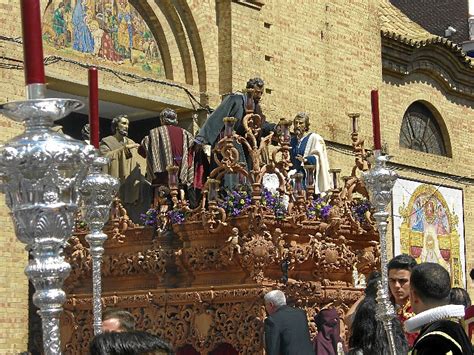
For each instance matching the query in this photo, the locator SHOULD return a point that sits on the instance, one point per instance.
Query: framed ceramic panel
(428, 224)
(102, 32)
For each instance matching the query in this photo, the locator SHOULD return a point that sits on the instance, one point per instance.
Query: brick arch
(445, 65)
(146, 12)
(175, 23)
(195, 39)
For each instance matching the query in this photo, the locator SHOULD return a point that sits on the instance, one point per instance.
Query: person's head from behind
(399, 270)
(117, 320)
(128, 343)
(458, 295)
(274, 300)
(372, 284)
(168, 116)
(430, 285)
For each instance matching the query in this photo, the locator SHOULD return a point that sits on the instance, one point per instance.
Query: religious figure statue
(309, 148)
(168, 145)
(431, 252)
(234, 105)
(233, 243)
(127, 166)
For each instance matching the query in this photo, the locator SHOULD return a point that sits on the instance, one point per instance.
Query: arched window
(420, 131)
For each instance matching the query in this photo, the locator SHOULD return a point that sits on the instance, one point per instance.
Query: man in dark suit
(286, 328)
(437, 320)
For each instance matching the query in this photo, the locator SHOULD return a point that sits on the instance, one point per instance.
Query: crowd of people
(430, 320)
(430, 317)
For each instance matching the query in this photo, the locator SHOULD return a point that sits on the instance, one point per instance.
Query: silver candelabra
(41, 172)
(379, 182)
(98, 190)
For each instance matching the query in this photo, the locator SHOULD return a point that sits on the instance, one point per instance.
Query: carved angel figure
(233, 243)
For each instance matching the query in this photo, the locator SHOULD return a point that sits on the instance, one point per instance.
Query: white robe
(317, 148)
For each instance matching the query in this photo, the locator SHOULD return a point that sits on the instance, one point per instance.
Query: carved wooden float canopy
(197, 276)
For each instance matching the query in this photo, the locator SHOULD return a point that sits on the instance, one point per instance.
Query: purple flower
(359, 210)
(318, 208)
(235, 202)
(274, 203)
(325, 211)
(150, 217)
(176, 216)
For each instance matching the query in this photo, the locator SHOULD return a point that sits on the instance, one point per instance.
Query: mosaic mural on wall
(428, 224)
(102, 32)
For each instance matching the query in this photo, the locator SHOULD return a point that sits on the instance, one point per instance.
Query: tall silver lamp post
(379, 182)
(98, 190)
(41, 172)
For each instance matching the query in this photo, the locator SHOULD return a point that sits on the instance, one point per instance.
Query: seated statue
(308, 148)
(127, 166)
(168, 145)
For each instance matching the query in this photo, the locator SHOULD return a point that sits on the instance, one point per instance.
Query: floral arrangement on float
(291, 200)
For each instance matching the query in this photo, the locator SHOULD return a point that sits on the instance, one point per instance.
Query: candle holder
(379, 182)
(335, 177)
(355, 121)
(213, 188)
(310, 169)
(285, 131)
(41, 172)
(97, 190)
(173, 183)
(229, 126)
(299, 187)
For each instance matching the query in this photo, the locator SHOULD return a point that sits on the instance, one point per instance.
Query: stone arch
(175, 23)
(145, 10)
(195, 39)
(424, 129)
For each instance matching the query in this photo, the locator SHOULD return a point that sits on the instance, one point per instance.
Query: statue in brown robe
(127, 166)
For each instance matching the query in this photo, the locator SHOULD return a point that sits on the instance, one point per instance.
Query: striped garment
(169, 145)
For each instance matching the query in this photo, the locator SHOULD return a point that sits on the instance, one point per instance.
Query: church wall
(319, 57)
(457, 114)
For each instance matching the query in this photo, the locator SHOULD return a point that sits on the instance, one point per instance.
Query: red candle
(32, 41)
(94, 107)
(374, 96)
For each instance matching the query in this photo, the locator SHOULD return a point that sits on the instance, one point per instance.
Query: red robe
(404, 313)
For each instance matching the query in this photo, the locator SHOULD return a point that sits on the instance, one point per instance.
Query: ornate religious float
(196, 276)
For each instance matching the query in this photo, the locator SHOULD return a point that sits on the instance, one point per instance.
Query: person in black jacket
(128, 343)
(440, 333)
(286, 328)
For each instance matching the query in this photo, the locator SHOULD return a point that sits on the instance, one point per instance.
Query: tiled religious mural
(428, 224)
(102, 31)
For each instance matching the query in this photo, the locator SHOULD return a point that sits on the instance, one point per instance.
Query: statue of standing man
(308, 148)
(127, 166)
(168, 145)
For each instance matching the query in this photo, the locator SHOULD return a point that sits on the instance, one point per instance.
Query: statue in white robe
(308, 148)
